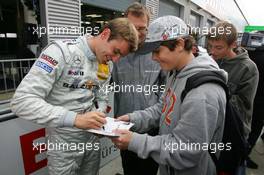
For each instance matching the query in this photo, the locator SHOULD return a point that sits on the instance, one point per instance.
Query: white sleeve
(29, 99)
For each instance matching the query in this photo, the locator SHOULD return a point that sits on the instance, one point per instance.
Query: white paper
(111, 125)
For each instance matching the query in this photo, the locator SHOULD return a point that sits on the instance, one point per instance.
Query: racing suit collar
(86, 48)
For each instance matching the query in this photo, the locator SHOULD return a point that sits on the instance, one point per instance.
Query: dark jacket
(138, 77)
(136, 71)
(243, 77)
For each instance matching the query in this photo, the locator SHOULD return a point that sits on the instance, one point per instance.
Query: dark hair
(223, 31)
(138, 10)
(171, 44)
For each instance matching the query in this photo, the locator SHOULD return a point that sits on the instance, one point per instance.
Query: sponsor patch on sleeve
(44, 66)
(49, 59)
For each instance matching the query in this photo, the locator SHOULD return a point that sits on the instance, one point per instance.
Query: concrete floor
(257, 155)
(112, 168)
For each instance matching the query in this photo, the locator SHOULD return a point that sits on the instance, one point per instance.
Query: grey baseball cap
(163, 29)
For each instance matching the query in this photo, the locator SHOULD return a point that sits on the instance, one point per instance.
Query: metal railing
(5, 111)
(12, 71)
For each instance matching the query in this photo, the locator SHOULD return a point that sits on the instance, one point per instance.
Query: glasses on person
(117, 53)
(142, 29)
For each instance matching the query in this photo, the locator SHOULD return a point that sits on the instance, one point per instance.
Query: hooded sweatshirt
(243, 77)
(196, 122)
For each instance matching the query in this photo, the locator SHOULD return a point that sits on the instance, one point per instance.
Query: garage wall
(67, 13)
(167, 7)
(119, 5)
(60, 18)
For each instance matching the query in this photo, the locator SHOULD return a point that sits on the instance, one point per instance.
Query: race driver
(62, 89)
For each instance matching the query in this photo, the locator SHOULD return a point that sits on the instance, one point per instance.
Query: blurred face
(195, 50)
(166, 58)
(141, 24)
(176, 59)
(111, 50)
(219, 49)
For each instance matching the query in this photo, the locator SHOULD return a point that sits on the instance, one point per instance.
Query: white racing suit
(65, 81)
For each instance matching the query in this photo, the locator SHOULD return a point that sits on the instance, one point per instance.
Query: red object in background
(108, 109)
(28, 153)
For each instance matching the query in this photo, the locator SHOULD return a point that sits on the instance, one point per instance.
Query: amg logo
(75, 72)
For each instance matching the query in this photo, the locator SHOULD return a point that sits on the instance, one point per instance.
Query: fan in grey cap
(184, 126)
(163, 29)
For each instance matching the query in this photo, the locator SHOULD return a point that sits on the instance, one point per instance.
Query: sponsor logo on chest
(75, 72)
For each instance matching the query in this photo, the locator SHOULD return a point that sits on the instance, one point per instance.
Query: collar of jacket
(86, 48)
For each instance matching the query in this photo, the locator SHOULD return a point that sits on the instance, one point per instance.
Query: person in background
(137, 70)
(243, 75)
(257, 118)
